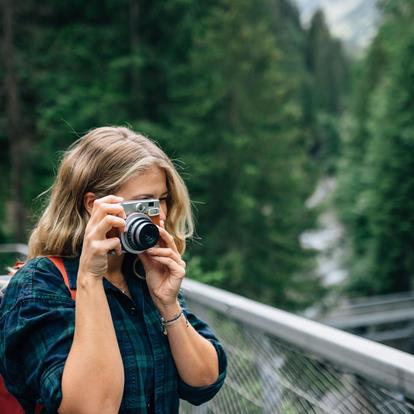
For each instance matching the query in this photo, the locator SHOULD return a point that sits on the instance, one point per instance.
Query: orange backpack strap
(58, 262)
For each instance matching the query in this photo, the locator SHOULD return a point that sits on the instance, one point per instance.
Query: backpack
(8, 403)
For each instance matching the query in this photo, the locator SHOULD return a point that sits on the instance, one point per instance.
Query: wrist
(166, 324)
(86, 281)
(169, 311)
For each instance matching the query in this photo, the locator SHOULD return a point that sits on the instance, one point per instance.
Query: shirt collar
(130, 263)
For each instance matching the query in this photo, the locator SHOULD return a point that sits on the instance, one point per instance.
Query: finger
(172, 265)
(144, 259)
(110, 199)
(167, 238)
(166, 252)
(114, 209)
(107, 223)
(105, 209)
(102, 247)
(117, 246)
(101, 207)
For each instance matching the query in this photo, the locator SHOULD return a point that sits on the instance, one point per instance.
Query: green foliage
(325, 92)
(227, 87)
(239, 123)
(327, 62)
(376, 186)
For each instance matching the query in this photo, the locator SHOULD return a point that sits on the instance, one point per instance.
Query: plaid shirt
(37, 322)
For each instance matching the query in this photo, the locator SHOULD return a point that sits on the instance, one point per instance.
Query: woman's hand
(106, 214)
(164, 270)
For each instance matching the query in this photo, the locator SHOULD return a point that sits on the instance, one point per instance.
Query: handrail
(14, 248)
(369, 319)
(381, 364)
(379, 299)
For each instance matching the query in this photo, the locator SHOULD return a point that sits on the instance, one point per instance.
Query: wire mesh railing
(283, 364)
(279, 363)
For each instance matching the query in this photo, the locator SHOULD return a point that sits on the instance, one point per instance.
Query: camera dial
(140, 207)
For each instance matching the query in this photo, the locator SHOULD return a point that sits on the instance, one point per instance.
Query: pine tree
(328, 82)
(221, 85)
(376, 174)
(239, 117)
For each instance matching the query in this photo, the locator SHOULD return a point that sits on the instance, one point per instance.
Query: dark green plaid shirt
(37, 318)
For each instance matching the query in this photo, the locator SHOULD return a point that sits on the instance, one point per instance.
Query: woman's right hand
(106, 215)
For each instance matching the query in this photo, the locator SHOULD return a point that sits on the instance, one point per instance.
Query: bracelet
(165, 323)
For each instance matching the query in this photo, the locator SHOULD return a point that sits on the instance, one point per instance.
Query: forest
(253, 107)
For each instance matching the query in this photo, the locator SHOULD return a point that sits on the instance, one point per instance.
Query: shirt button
(133, 311)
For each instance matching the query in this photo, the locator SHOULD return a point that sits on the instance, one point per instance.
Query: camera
(142, 219)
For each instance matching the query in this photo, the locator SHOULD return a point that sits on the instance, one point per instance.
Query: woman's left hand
(164, 269)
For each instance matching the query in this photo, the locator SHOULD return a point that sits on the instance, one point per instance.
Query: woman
(106, 352)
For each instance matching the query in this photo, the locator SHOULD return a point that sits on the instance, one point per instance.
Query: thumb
(145, 259)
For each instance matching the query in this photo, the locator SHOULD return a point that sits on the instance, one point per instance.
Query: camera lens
(141, 233)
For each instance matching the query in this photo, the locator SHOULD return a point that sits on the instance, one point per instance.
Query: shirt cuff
(51, 388)
(200, 395)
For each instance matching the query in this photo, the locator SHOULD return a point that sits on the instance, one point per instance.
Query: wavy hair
(100, 162)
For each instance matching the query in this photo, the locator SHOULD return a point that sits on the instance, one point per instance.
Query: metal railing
(374, 310)
(19, 248)
(388, 319)
(282, 363)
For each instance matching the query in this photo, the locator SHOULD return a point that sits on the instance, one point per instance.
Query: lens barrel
(140, 234)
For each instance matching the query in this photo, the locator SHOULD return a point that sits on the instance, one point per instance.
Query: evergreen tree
(238, 114)
(328, 82)
(222, 85)
(376, 174)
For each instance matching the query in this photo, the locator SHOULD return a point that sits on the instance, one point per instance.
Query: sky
(353, 21)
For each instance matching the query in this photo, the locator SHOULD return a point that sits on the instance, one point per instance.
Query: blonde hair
(101, 162)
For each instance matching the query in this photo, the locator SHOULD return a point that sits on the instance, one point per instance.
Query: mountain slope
(353, 21)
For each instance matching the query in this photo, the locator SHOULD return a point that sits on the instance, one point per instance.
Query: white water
(327, 238)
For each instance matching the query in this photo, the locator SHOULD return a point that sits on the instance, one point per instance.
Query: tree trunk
(14, 122)
(134, 45)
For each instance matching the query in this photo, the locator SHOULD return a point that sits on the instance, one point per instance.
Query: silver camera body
(143, 217)
(150, 207)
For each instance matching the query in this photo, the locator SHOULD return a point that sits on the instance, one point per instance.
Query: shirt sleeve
(200, 395)
(37, 326)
